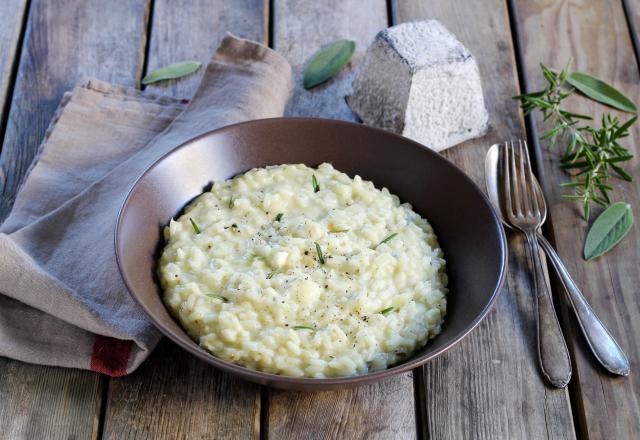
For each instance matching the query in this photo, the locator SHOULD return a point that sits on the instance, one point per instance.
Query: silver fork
(525, 213)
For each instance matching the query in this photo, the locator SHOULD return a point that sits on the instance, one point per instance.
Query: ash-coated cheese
(419, 81)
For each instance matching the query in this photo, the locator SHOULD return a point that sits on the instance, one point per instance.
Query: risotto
(304, 272)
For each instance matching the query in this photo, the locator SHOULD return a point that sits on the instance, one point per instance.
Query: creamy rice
(270, 271)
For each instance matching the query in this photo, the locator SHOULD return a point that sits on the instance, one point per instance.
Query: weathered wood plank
(386, 409)
(65, 43)
(300, 28)
(378, 411)
(193, 29)
(595, 34)
(632, 10)
(12, 19)
(489, 385)
(46, 402)
(174, 395)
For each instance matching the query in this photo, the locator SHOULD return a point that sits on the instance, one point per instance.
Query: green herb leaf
(271, 274)
(328, 61)
(609, 228)
(319, 252)
(279, 217)
(173, 71)
(232, 202)
(303, 327)
(314, 183)
(220, 297)
(389, 238)
(385, 311)
(337, 231)
(600, 91)
(195, 226)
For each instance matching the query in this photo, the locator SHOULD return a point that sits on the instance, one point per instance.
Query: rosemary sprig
(314, 183)
(232, 202)
(591, 153)
(385, 311)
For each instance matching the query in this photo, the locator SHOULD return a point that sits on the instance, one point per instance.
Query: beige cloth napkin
(63, 301)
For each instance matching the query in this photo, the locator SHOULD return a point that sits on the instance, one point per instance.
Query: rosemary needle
(195, 226)
(389, 238)
(319, 252)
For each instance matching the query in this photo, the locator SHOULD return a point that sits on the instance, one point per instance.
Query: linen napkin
(62, 300)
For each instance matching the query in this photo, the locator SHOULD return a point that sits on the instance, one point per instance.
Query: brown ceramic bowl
(468, 230)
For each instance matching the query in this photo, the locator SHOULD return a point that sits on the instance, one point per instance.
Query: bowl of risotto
(310, 254)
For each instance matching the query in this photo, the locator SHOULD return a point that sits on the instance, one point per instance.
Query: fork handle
(604, 347)
(552, 349)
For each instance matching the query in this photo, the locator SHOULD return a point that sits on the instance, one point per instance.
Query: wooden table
(489, 385)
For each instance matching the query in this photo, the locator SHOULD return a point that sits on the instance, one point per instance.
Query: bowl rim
(265, 378)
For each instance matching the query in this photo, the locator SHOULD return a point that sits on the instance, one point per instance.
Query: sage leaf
(173, 71)
(609, 228)
(600, 91)
(327, 62)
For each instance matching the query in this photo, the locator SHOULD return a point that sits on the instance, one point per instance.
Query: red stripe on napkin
(110, 356)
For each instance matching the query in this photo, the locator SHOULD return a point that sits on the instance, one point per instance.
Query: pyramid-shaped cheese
(419, 81)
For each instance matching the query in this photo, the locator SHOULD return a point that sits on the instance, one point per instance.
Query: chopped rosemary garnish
(195, 226)
(385, 311)
(303, 327)
(279, 217)
(314, 182)
(271, 274)
(220, 297)
(337, 231)
(389, 238)
(231, 202)
(319, 252)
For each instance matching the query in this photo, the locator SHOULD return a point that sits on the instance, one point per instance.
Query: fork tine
(526, 199)
(507, 178)
(514, 180)
(533, 191)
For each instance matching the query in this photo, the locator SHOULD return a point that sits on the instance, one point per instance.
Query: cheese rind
(419, 81)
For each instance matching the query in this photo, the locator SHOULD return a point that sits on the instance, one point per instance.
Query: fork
(525, 214)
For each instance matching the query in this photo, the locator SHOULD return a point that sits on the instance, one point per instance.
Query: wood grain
(632, 9)
(489, 386)
(380, 411)
(12, 19)
(384, 410)
(193, 29)
(48, 402)
(175, 395)
(300, 28)
(595, 34)
(65, 43)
